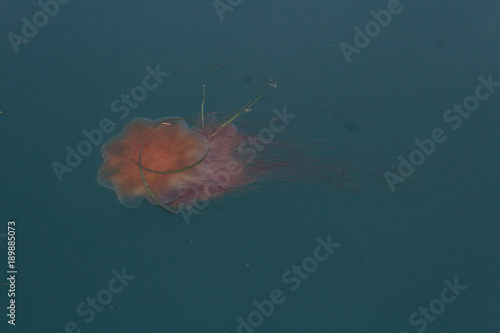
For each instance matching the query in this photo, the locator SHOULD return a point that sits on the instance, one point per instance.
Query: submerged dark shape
(351, 127)
(247, 78)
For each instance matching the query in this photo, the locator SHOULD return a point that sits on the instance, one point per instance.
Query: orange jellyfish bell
(171, 164)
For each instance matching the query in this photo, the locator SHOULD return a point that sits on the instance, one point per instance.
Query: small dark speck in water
(247, 79)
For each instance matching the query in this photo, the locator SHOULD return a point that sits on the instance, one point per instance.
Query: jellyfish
(178, 163)
(175, 162)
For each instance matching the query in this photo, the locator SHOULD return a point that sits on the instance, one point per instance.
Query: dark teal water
(421, 259)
